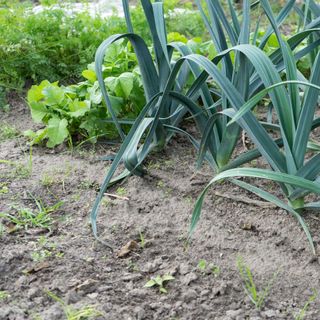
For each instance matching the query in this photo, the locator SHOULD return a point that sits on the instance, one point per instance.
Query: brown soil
(83, 272)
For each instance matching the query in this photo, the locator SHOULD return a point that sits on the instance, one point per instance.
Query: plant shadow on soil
(156, 208)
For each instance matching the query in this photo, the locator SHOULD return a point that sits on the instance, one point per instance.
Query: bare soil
(155, 209)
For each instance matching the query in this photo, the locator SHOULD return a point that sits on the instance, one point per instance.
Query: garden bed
(154, 211)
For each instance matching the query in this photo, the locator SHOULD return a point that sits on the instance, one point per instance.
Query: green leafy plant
(78, 111)
(84, 313)
(159, 281)
(50, 44)
(301, 315)
(27, 218)
(257, 297)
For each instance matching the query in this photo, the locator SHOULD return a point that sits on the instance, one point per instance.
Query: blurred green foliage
(55, 46)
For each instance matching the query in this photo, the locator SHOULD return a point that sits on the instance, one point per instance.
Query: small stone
(166, 306)
(105, 288)
(233, 306)
(141, 293)
(149, 267)
(154, 305)
(38, 301)
(72, 297)
(221, 290)
(269, 313)
(172, 270)
(2, 267)
(23, 280)
(7, 311)
(88, 286)
(184, 268)
(188, 278)
(234, 313)
(189, 295)
(129, 286)
(55, 312)
(33, 292)
(206, 307)
(140, 313)
(131, 277)
(107, 307)
(204, 293)
(4, 312)
(93, 295)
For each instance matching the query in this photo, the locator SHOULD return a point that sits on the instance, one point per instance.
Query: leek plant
(169, 99)
(295, 109)
(219, 100)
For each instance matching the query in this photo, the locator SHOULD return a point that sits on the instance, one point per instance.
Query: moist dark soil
(149, 216)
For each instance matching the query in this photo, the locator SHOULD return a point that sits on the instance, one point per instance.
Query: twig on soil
(314, 217)
(258, 203)
(111, 195)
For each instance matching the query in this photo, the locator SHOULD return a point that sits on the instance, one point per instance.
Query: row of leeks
(220, 100)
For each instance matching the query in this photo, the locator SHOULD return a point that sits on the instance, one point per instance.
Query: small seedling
(189, 200)
(86, 184)
(161, 184)
(2, 229)
(142, 240)
(45, 249)
(4, 188)
(121, 191)
(132, 266)
(86, 312)
(154, 165)
(202, 265)
(47, 180)
(301, 315)
(27, 218)
(164, 187)
(4, 295)
(159, 281)
(213, 269)
(105, 202)
(257, 297)
(165, 164)
(20, 170)
(114, 228)
(8, 132)
(40, 255)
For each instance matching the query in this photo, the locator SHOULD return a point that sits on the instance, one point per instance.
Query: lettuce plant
(78, 110)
